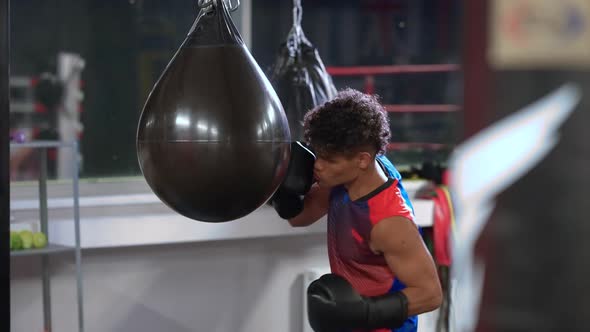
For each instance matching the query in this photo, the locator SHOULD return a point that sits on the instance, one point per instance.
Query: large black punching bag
(299, 75)
(213, 141)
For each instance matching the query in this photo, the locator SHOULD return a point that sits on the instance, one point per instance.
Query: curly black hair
(350, 122)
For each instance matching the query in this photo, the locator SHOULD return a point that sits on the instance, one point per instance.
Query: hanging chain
(297, 12)
(297, 16)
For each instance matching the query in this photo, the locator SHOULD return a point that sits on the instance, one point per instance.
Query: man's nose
(317, 166)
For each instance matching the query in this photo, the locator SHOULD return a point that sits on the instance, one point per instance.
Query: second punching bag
(213, 141)
(299, 75)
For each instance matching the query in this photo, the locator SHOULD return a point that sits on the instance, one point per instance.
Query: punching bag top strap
(232, 5)
(214, 25)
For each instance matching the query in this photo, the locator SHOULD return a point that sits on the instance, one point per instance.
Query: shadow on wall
(225, 289)
(296, 310)
(239, 286)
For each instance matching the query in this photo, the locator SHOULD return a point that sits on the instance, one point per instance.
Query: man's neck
(366, 182)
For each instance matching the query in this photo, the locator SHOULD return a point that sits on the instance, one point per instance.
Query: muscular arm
(398, 239)
(315, 206)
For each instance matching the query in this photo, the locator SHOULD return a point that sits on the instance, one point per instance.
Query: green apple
(27, 238)
(15, 241)
(39, 240)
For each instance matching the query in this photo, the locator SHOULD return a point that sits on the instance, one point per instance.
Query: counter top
(127, 213)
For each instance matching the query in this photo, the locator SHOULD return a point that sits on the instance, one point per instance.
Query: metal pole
(46, 277)
(75, 174)
(4, 156)
(477, 75)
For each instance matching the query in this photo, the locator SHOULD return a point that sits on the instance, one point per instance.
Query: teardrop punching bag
(213, 141)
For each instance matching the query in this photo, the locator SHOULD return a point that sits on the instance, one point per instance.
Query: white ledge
(140, 218)
(88, 201)
(115, 231)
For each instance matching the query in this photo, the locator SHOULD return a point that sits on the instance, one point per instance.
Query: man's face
(335, 169)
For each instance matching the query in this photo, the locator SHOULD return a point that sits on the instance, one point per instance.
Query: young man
(382, 274)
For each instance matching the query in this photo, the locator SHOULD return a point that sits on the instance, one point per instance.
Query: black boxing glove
(288, 199)
(333, 305)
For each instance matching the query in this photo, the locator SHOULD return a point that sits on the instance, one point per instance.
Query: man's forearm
(314, 208)
(310, 214)
(421, 300)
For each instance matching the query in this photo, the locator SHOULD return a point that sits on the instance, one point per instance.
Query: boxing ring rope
(435, 108)
(397, 146)
(391, 70)
(369, 72)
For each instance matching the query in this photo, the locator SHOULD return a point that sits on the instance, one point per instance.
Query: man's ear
(365, 160)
